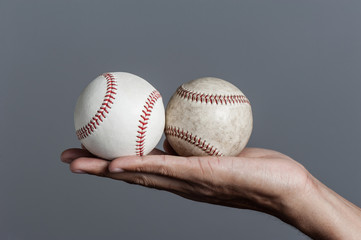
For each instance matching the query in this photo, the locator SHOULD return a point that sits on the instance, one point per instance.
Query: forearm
(321, 213)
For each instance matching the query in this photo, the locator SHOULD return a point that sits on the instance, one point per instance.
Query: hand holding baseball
(212, 119)
(258, 179)
(251, 180)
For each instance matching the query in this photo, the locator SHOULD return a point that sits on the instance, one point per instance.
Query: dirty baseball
(208, 116)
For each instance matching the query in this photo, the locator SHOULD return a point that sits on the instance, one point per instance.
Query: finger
(69, 155)
(93, 166)
(168, 148)
(152, 181)
(146, 164)
(182, 168)
(185, 189)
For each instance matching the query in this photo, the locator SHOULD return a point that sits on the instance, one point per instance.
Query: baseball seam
(144, 120)
(193, 139)
(103, 111)
(184, 93)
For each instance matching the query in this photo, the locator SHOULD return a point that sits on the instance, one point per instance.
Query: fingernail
(116, 170)
(79, 171)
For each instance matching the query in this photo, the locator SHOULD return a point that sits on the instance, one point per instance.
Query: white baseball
(119, 114)
(208, 116)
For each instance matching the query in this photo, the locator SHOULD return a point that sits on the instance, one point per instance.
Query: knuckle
(142, 180)
(138, 169)
(162, 166)
(200, 165)
(164, 159)
(163, 171)
(208, 192)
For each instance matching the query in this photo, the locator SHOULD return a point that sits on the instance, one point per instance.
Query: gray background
(297, 61)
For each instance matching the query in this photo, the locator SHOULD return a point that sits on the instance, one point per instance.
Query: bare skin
(258, 179)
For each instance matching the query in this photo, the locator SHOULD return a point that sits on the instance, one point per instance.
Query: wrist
(319, 212)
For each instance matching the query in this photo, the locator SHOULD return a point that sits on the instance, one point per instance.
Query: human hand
(257, 179)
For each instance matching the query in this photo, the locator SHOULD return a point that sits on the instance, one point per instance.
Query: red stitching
(144, 118)
(195, 140)
(90, 127)
(217, 99)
